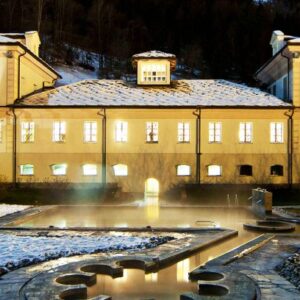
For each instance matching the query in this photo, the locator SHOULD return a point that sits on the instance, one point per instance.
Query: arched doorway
(151, 187)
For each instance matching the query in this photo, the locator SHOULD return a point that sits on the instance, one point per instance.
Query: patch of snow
(19, 250)
(6, 209)
(181, 93)
(73, 74)
(154, 54)
(4, 39)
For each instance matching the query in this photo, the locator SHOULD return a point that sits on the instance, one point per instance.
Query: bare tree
(40, 6)
(11, 5)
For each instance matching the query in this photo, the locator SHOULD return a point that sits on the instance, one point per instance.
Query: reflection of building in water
(183, 268)
(152, 208)
(124, 278)
(151, 277)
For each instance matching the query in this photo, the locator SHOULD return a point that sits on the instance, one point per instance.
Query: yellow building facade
(155, 133)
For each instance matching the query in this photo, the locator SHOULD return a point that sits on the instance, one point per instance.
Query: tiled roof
(181, 93)
(153, 54)
(6, 40)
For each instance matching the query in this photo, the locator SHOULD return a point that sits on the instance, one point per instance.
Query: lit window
(27, 132)
(154, 73)
(246, 170)
(89, 170)
(245, 134)
(120, 170)
(59, 131)
(277, 170)
(90, 132)
(121, 131)
(59, 169)
(183, 132)
(215, 131)
(214, 170)
(1, 131)
(27, 170)
(276, 131)
(183, 170)
(152, 132)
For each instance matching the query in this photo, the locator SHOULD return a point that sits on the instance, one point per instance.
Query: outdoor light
(296, 54)
(9, 54)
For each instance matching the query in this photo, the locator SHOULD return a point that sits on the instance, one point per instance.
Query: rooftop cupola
(154, 67)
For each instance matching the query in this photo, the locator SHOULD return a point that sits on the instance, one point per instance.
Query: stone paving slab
(257, 259)
(24, 214)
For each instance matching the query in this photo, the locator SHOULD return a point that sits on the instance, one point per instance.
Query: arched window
(277, 170)
(27, 170)
(89, 170)
(59, 169)
(120, 170)
(183, 170)
(246, 170)
(214, 170)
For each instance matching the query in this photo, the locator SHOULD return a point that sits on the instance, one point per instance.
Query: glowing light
(152, 277)
(151, 187)
(123, 278)
(183, 268)
(89, 170)
(152, 208)
(120, 170)
(121, 225)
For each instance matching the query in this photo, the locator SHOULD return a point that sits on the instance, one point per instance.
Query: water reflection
(170, 282)
(152, 208)
(183, 268)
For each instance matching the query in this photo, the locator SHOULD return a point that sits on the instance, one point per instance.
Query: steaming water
(168, 283)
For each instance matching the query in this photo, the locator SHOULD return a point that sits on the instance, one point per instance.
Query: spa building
(150, 134)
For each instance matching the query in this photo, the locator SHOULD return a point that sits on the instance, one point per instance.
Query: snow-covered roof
(181, 93)
(153, 54)
(6, 40)
(295, 40)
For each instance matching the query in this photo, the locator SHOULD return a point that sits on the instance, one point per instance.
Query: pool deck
(41, 281)
(257, 259)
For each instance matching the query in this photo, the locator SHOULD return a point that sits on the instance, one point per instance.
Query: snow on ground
(23, 249)
(73, 74)
(6, 209)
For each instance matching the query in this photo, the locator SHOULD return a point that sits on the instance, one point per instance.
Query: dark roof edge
(145, 106)
(33, 55)
(270, 60)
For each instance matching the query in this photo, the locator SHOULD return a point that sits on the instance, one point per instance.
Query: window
(246, 170)
(285, 88)
(183, 170)
(183, 132)
(152, 132)
(121, 131)
(215, 131)
(89, 170)
(59, 131)
(277, 170)
(120, 170)
(276, 131)
(245, 134)
(1, 131)
(59, 169)
(214, 170)
(154, 73)
(90, 132)
(27, 170)
(274, 90)
(27, 132)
